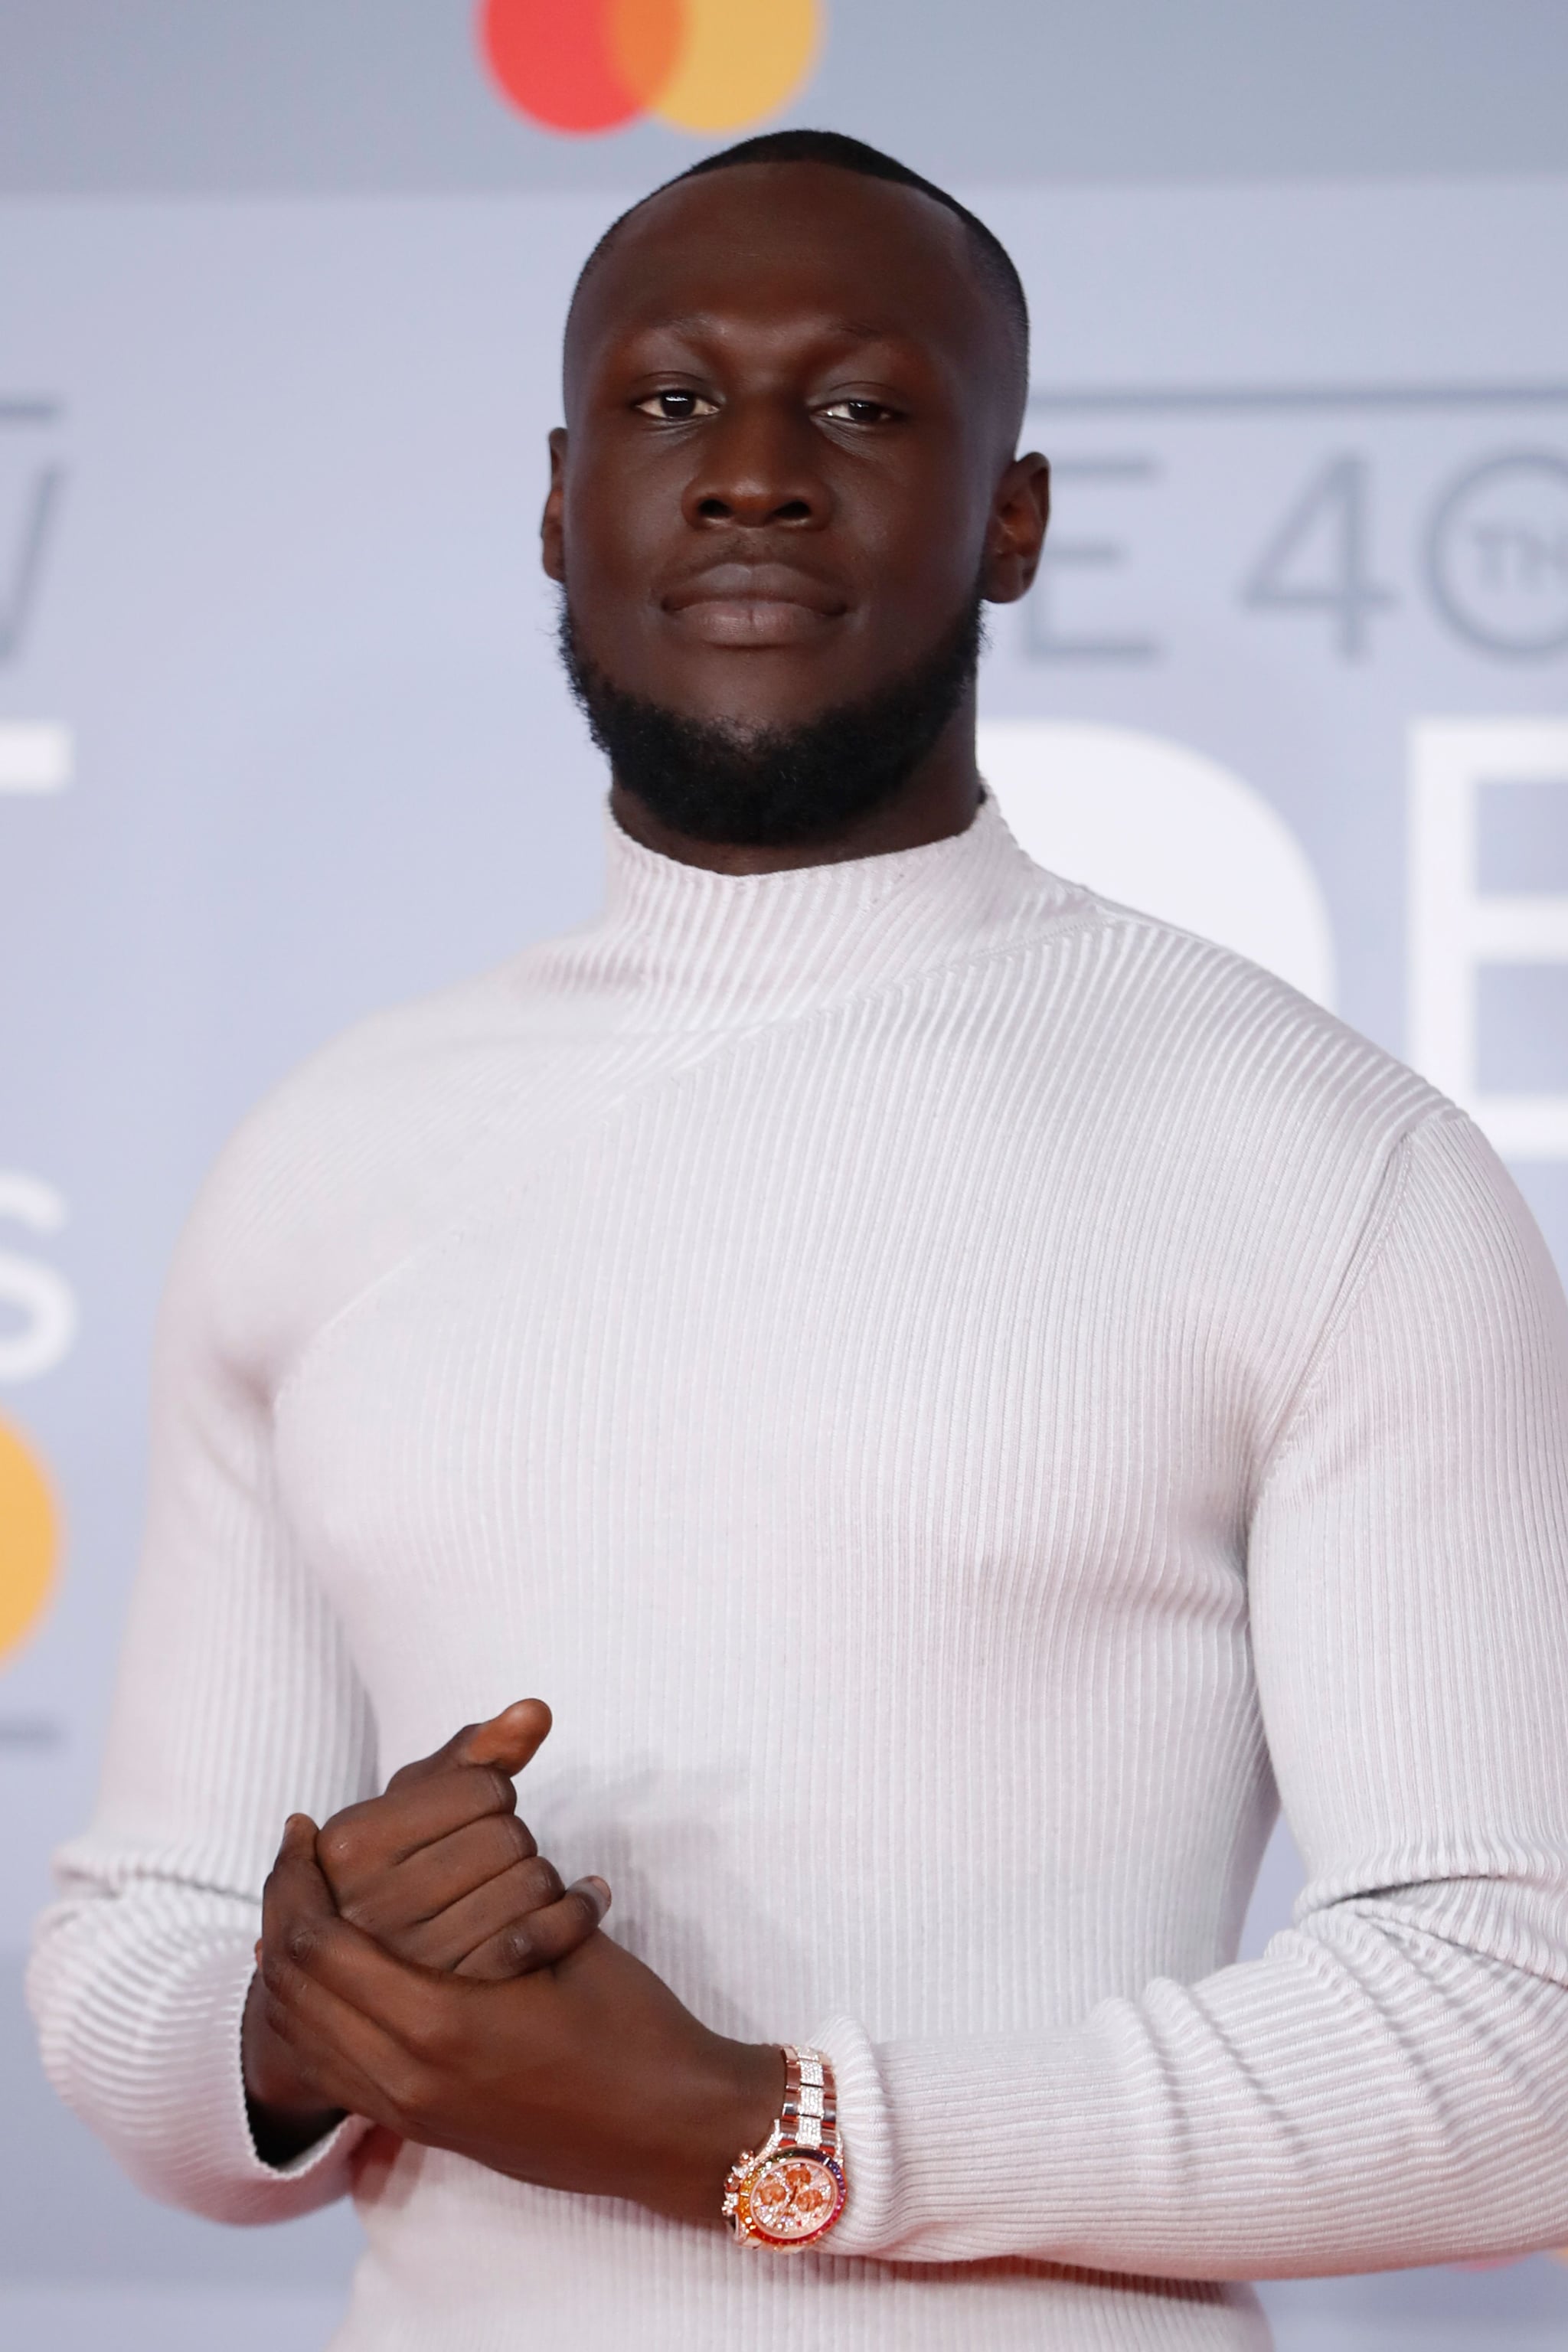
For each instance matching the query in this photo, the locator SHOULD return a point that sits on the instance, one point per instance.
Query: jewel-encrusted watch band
(791, 2192)
(809, 2117)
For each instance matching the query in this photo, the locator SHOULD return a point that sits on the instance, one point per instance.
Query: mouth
(754, 604)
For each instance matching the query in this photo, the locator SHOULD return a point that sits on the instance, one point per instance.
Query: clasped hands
(420, 1964)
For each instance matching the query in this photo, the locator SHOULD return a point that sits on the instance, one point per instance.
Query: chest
(782, 1357)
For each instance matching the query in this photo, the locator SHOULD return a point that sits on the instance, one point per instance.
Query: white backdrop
(281, 738)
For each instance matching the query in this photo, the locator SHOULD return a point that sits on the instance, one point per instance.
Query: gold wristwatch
(792, 2191)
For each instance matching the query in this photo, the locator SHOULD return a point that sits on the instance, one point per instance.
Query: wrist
(744, 2111)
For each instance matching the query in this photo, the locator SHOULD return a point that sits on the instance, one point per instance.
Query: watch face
(793, 2197)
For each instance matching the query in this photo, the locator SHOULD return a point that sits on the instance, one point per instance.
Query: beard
(769, 787)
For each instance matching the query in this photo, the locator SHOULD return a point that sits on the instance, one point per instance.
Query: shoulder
(1261, 1155)
(1247, 1135)
(1200, 1035)
(335, 1170)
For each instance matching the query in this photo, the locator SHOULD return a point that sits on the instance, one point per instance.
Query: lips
(750, 605)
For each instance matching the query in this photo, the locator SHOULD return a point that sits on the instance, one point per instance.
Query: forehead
(777, 244)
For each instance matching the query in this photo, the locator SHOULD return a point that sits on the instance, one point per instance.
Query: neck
(938, 799)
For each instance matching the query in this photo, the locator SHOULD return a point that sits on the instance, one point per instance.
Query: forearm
(1369, 2096)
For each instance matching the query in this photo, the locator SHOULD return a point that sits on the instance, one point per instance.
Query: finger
(511, 1739)
(442, 1940)
(313, 1967)
(349, 2061)
(439, 1875)
(541, 1937)
(312, 1943)
(365, 1840)
(281, 1887)
(516, 1732)
(318, 2059)
(294, 1903)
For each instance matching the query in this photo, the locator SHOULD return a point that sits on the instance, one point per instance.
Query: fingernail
(602, 1889)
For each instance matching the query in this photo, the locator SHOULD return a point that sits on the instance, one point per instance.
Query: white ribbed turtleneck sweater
(956, 1392)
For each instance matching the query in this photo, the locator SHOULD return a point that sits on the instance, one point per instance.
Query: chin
(757, 694)
(780, 753)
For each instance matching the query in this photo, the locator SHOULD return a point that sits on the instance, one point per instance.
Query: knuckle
(541, 1881)
(488, 1964)
(337, 1846)
(518, 1946)
(301, 1941)
(350, 1817)
(586, 1909)
(514, 1839)
(434, 2042)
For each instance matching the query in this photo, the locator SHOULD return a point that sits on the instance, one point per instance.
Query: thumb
(511, 1739)
(295, 1887)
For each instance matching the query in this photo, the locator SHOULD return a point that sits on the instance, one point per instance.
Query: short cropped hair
(846, 154)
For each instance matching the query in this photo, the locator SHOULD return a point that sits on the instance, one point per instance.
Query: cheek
(923, 537)
(921, 577)
(619, 525)
(614, 550)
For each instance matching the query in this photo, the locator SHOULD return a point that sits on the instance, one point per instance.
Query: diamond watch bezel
(749, 2224)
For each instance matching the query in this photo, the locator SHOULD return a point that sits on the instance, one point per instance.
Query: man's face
(788, 466)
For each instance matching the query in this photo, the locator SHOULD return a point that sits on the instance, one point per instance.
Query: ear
(1017, 534)
(553, 523)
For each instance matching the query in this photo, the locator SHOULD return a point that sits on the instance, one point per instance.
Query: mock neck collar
(682, 946)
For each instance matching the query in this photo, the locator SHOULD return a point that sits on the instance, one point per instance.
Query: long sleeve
(1388, 2085)
(236, 1704)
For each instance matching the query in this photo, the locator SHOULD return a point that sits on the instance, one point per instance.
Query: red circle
(555, 59)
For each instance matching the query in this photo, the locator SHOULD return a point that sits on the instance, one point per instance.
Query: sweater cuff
(176, 2116)
(866, 2135)
(209, 2135)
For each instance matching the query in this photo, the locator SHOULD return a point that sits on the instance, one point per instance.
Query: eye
(676, 406)
(858, 412)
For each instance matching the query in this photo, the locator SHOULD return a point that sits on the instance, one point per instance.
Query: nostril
(794, 511)
(714, 510)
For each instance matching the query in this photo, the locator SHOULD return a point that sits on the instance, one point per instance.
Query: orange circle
(740, 61)
(29, 1537)
(582, 66)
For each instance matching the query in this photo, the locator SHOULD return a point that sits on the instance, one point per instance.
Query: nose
(758, 466)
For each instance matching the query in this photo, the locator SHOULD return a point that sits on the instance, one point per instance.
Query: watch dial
(793, 2197)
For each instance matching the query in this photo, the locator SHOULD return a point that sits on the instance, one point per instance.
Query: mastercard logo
(703, 66)
(29, 1539)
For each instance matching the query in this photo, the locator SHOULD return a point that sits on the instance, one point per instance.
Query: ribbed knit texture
(955, 1393)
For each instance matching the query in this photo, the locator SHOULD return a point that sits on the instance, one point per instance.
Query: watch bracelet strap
(809, 2116)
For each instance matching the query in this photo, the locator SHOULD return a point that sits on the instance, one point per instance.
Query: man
(958, 1393)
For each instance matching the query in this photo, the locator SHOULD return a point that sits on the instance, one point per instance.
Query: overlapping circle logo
(704, 66)
(29, 1539)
